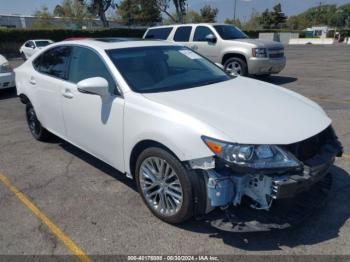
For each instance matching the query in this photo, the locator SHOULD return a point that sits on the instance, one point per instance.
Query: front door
(93, 123)
(201, 45)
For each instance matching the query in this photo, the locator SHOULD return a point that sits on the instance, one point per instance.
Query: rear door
(48, 82)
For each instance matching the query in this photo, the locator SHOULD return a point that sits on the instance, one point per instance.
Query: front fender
(148, 120)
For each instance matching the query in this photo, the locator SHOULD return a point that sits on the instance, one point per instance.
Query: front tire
(35, 127)
(164, 185)
(236, 66)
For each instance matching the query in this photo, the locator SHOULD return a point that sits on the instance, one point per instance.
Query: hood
(260, 42)
(249, 111)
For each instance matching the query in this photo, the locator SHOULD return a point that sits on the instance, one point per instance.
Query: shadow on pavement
(322, 226)
(102, 166)
(277, 79)
(8, 93)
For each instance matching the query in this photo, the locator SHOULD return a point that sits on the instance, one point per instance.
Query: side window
(54, 62)
(182, 34)
(201, 32)
(158, 33)
(85, 64)
(29, 44)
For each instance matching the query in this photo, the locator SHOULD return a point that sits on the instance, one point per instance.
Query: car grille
(276, 52)
(310, 147)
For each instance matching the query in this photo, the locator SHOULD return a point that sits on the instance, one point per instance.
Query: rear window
(158, 33)
(182, 34)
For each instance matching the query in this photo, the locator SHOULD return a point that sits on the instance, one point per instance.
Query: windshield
(229, 32)
(164, 68)
(42, 43)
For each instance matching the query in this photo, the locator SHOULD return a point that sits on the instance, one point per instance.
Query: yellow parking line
(320, 99)
(51, 225)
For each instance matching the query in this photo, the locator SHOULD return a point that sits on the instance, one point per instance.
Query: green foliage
(328, 15)
(235, 22)
(208, 14)
(72, 10)
(180, 9)
(99, 8)
(273, 19)
(142, 12)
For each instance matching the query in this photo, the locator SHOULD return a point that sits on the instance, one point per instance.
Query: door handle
(67, 94)
(32, 80)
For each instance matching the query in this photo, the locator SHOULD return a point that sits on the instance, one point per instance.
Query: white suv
(191, 136)
(227, 45)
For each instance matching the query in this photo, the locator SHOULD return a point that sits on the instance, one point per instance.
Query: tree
(44, 19)
(208, 14)
(266, 19)
(254, 21)
(235, 22)
(73, 10)
(278, 17)
(180, 9)
(193, 17)
(99, 8)
(143, 12)
(273, 19)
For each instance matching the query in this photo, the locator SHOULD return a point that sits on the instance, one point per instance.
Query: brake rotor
(283, 214)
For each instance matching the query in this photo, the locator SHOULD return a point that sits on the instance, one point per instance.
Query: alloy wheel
(234, 68)
(160, 186)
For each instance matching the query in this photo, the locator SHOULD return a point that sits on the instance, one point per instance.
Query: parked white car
(227, 45)
(191, 136)
(7, 77)
(32, 46)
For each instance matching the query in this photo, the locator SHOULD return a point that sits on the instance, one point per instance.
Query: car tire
(236, 66)
(35, 127)
(170, 211)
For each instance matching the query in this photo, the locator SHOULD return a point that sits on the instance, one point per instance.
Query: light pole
(234, 12)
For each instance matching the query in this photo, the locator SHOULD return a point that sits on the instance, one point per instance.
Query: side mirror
(211, 38)
(94, 85)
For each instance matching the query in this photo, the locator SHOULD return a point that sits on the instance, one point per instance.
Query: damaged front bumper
(227, 185)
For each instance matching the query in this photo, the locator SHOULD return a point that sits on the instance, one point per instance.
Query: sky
(226, 7)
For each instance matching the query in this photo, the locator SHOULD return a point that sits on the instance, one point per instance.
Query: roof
(106, 45)
(193, 24)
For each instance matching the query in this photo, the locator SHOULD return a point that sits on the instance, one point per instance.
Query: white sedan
(32, 46)
(7, 77)
(192, 137)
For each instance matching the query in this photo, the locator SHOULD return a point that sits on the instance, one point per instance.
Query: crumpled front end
(227, 184)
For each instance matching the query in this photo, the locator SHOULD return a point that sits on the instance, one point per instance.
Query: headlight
(5, 68)
(252, 156)
(259, 52)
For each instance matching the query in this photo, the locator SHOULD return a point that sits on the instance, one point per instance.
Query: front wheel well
(24, 99)
(141, 146)
(230, 55)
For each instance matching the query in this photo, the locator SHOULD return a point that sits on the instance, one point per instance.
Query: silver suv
(227, 45)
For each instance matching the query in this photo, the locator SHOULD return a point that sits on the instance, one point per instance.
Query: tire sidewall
(186, 210)
(40, 135)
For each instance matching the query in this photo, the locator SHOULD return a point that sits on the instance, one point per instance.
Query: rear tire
(236, 66)
(164, 185)
(35, 127)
